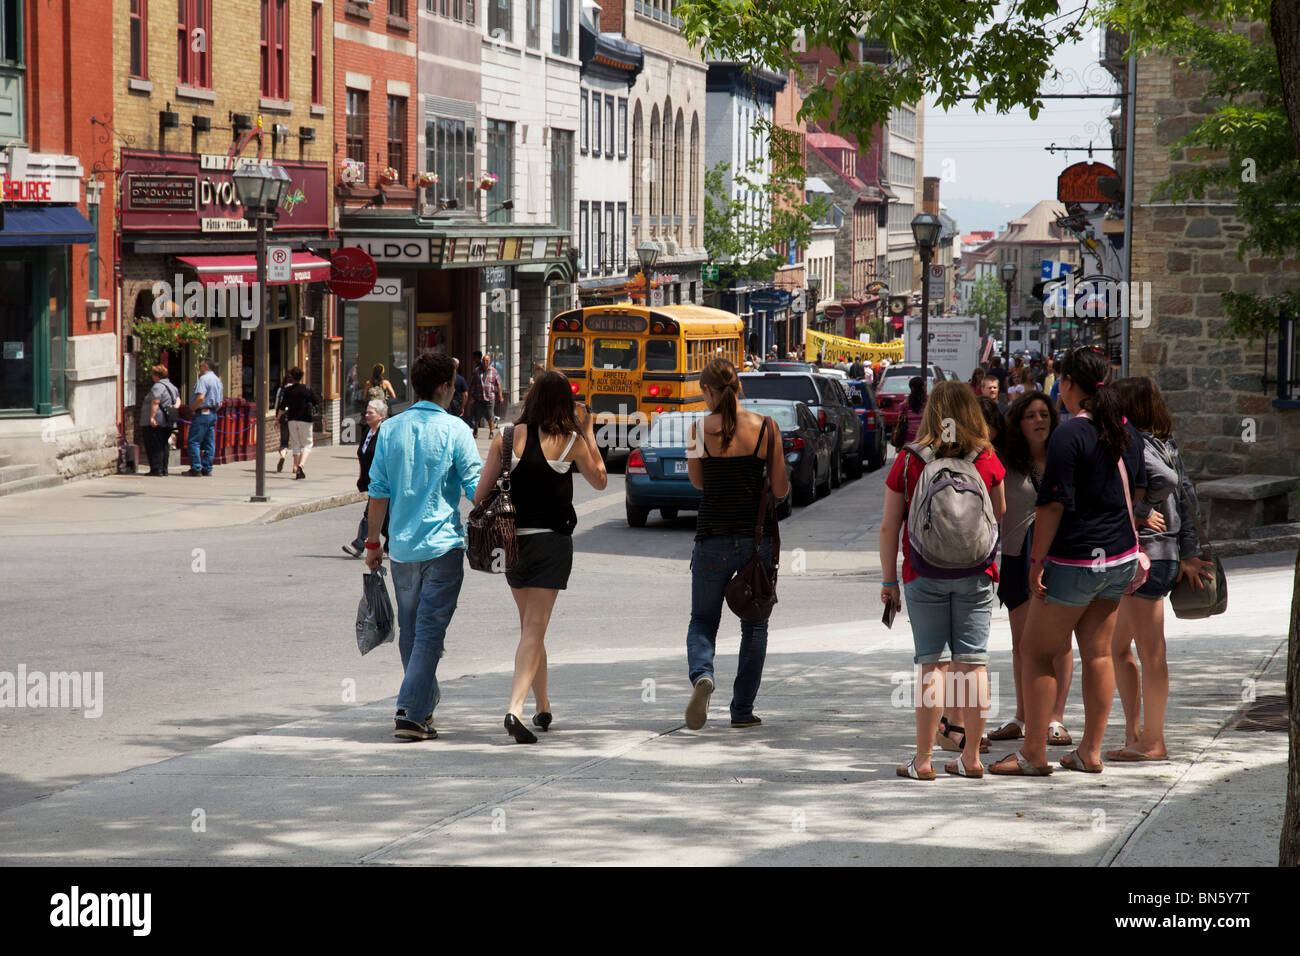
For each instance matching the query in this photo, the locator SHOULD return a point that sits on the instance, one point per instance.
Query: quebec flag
(1056, 270)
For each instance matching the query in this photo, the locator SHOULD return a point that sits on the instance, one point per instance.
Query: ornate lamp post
(814, 284)
(1009, 280)
(260, 188)
(925, 230)
(647, 253)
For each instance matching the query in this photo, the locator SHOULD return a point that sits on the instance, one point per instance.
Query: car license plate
(679, 467)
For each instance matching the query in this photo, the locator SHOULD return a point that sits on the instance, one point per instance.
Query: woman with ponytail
(727, 454)
(1082, 561)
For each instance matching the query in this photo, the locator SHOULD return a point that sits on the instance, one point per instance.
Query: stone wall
(1224, 416)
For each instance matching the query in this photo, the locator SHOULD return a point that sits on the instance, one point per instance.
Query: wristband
(889, 584)
(372, 547)
(1035, 561)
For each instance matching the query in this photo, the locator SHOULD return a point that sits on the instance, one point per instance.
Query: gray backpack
(951, 531)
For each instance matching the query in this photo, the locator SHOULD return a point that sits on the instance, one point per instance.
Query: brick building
(58, 328)
(1232, 417)
(253, 74)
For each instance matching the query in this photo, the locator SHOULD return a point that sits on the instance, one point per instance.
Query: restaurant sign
(176, 193)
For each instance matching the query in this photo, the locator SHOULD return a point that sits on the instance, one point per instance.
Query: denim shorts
(1079, 585)
(1160, 581)
(950, 618)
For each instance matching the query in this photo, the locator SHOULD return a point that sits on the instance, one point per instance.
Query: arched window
(693, 212)
(653, 169)
(665, 162)
(679, 168)
(638, 160)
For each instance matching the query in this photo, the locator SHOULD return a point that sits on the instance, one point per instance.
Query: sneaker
(697, 711)
(192, 473)
(353, 550)
(751, 721)
(410, 730)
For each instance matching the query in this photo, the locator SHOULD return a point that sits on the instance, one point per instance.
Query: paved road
(232, 687)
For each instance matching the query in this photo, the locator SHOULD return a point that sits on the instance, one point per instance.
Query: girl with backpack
(944, 493)
(1166, 520)
(1022, 447)
(1084, 558)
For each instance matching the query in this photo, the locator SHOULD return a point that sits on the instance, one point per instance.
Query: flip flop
(1128, 755)
(961, 770)
(1076, 763)
(1013, 729)
(1023, 768)
(1057, 735)
(911, 772)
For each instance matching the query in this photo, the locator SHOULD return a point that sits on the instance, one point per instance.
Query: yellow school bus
(630, 363)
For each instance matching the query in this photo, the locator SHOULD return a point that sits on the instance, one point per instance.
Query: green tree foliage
(749, 246)
(988, 300)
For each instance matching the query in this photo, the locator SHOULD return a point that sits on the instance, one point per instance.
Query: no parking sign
(278, 266)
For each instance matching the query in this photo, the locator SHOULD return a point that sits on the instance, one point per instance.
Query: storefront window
(375, 334)
(500, 301)
(33, 329)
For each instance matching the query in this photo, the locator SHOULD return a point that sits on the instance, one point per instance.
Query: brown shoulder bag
(751, 594)
(490, 530)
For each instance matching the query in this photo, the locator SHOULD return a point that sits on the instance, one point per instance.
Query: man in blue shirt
(208, 394)
(425, 459)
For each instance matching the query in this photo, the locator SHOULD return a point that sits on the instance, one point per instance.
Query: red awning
(237, 270)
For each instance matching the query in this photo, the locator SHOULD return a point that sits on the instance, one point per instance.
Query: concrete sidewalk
(133, 504)
(618, 780)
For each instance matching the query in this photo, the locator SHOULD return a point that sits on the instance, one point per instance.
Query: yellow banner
(836, 348)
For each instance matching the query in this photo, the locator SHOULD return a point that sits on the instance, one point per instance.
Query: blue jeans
(714, 563)
(950, 618)
(203, 434)
(426, 593)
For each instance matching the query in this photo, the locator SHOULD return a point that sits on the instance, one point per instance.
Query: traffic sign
(657, 296)
(709, 272)
(936, 273)
(279, 266)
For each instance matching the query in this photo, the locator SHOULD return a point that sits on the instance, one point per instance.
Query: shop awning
(46, 226)
(237, 270)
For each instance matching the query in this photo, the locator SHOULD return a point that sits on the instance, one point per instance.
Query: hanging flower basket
(352, 172)
(428, 179)
(487, 181)
(388, 176)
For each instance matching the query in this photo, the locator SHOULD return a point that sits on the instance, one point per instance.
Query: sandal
(958, 769)
(1057, 735)
(1129, 755)
(946, 742)
(911, 772)
(1023, 767)
(1013, 729)
(1075, 762)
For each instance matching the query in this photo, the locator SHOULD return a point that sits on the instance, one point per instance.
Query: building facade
(58, 324)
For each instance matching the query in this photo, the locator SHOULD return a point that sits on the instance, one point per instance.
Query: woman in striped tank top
(727, 452)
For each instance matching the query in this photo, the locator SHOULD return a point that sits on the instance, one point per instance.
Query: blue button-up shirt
(210, 386)
(425, 458)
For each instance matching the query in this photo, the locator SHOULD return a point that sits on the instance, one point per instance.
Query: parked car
(875, 440)
(786, 367)
(827, 400)
(656, 474)
(892, 389)
(807, 447)
(833, 372)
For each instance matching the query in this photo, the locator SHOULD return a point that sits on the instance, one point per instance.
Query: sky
(987, 159)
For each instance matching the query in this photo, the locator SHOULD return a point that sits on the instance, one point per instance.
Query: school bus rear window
(570, 352)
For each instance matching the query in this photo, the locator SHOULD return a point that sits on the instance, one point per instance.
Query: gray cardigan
(1170, 492)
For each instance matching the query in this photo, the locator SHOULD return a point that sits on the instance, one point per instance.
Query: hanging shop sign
(353, 273)
(1079, 183)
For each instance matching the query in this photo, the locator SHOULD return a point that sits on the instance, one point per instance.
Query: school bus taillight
(573, 387)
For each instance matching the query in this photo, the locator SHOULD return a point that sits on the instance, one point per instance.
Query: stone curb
(1242, 546)
(308, 507)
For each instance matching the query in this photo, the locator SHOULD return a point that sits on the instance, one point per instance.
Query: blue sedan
(656, 474)
(872, 419)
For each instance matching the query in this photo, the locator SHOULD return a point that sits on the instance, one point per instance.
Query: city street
(239, 724)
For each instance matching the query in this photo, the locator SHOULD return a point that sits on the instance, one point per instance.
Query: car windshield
(669, 430)
(790, 388)
(784, 415)
(895, 384)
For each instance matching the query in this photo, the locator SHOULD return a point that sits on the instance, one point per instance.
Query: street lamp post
(647, 253)
(1009, 280)
(260, 188)
(925, 230)
(814, 284)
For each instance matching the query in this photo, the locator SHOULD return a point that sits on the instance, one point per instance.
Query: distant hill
(977, 214)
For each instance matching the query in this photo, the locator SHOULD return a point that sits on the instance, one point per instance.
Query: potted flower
(352, 172)
(487, 181)
(428, 179)
(388, 176)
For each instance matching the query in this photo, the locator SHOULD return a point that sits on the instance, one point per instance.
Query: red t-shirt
(988, 466)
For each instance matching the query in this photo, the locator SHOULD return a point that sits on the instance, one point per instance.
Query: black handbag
(1211, 598)
(751, 594)
(492, 542)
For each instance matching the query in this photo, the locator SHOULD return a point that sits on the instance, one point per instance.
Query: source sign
(353, 273)
(278, 264)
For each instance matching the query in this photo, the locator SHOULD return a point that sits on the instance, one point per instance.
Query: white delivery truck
(954, 343)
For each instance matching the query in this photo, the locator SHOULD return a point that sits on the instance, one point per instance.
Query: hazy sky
(1001, 157)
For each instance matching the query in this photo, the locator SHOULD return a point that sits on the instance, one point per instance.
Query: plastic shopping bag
(374, 613)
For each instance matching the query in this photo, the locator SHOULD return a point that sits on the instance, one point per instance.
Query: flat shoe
(697, 711)
(1072, 761)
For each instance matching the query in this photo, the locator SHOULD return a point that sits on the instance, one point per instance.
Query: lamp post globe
(925, 230)
(647, 254)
